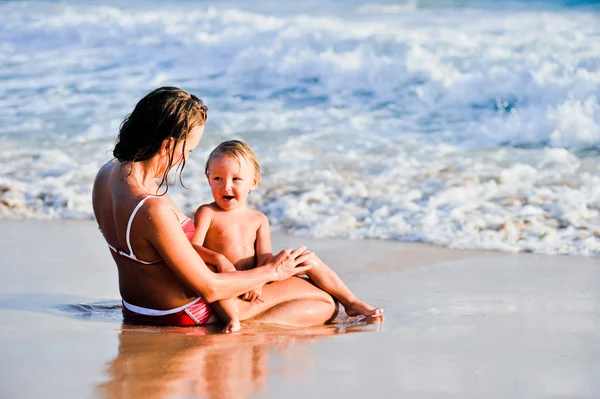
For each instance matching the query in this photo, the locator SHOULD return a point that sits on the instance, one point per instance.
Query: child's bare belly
(239, 250)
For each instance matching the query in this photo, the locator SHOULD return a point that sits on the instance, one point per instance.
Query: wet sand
(457, 324)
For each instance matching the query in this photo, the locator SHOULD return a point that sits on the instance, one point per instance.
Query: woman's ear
(165, 147)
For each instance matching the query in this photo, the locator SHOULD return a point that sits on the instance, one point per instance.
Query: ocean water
(467, 124)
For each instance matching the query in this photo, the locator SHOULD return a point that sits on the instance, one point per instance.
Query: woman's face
(191, 142)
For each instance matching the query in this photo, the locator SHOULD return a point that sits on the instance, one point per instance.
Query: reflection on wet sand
(190, 362)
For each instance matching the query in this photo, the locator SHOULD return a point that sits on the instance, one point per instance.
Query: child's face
(231, 180)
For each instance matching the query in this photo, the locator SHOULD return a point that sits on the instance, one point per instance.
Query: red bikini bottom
(195, 313)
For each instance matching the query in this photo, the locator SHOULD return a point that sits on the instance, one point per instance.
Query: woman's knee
(316, 292)
(292, 289)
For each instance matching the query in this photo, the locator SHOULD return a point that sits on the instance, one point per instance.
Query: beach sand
(457, 324)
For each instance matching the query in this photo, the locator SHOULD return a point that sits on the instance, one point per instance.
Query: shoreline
(457, 323)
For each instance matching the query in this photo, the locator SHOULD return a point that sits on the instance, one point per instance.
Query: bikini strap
(128, 233)
(176, 215)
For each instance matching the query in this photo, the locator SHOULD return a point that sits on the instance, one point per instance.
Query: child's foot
(232, 326)
(360, 308)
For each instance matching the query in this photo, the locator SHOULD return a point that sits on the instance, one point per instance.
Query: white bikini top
(131, 255)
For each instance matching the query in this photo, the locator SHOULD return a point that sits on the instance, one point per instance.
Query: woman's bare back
(114, 201)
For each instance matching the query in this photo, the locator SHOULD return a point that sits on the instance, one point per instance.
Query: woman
(162, 279)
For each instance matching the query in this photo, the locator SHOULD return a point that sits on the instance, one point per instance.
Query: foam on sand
(466, 127)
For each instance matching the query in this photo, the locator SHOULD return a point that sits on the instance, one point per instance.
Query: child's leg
(227, 312)
(226, 309)
(327, 280)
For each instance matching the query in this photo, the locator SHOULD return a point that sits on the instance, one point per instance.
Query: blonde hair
(235, 149)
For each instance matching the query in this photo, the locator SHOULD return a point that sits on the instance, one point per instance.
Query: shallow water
(110, 311)
(468, 124)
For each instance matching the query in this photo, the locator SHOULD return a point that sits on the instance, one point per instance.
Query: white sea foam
(471, 128)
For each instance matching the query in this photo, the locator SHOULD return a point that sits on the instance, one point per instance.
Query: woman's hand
(288, 263)
(311, 258)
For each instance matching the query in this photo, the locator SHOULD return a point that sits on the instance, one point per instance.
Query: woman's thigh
(293, 301)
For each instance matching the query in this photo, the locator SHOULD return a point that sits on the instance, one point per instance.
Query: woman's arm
(167, 237)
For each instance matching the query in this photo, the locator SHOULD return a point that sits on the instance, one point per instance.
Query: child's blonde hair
(235, 149)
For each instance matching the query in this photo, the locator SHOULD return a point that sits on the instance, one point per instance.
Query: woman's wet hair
(167, 112)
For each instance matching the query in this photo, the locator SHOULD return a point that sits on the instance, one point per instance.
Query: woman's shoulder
(105, 171)
(108, 165)
(155, 209)
(101, 189)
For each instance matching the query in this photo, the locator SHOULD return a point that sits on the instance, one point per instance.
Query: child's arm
(202, 221)
(264, 250)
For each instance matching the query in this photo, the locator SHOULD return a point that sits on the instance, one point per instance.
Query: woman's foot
(232, 326)
(360, 308)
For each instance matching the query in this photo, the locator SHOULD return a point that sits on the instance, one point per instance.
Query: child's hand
(224, 265)
(253, 295)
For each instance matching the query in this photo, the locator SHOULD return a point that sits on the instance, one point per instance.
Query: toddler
(231, 236)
